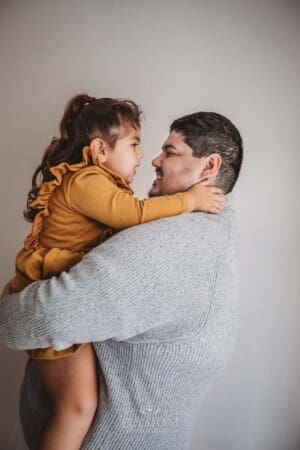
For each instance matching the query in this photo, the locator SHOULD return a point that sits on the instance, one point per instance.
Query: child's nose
(140, 154)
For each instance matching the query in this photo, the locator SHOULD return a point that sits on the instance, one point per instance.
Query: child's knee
(77, 408)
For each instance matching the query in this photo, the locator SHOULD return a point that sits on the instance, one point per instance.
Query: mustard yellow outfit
(84, 205)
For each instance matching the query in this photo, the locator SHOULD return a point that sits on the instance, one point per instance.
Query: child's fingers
(221, 198)
(216, 190)
(216, 207)
(214, 210)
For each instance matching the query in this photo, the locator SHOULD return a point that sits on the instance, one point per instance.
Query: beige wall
(237, 58)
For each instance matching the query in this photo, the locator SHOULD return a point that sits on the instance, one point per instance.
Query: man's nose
(156, 162)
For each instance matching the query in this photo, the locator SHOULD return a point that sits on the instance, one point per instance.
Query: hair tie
(89, 102)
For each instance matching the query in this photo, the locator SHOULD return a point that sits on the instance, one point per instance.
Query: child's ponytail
(59, 150)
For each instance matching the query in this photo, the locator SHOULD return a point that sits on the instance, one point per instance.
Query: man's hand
(6, 291)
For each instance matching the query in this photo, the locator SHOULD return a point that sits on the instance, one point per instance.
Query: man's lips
(158, 178)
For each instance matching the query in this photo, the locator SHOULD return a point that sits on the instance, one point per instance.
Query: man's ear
(212, 166)
(99, 150)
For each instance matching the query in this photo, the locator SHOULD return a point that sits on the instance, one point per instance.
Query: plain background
(237, 58)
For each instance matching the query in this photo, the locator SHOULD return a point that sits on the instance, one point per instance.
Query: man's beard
(158, 172)
(154, 194)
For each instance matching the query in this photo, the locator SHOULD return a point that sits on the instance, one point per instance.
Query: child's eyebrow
(137, 138)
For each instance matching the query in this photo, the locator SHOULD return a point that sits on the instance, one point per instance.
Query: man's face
(176, 167)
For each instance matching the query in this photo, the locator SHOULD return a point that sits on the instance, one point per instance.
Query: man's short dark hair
(207, 133)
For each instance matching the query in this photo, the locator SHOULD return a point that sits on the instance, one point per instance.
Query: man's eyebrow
(168, 146)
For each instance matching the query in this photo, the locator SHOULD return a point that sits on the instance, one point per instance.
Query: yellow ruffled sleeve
(96, 196)
(46, 191)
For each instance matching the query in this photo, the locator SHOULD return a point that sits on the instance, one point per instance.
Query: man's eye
(169, 153)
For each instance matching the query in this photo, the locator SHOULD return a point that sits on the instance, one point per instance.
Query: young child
(82, 199)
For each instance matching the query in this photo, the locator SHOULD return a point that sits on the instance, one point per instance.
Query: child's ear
(99, 150)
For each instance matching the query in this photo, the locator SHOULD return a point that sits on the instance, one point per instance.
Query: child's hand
(6, 291)
(206, 198)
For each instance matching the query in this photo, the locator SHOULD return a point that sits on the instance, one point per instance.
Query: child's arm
(95, 196)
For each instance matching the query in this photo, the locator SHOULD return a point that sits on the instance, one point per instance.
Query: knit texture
(160, 302)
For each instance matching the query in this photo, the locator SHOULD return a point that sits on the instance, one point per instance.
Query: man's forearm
(119, 290)
(96, 300)
(57, 312)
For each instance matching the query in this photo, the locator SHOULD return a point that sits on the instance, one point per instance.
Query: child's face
(126, 155)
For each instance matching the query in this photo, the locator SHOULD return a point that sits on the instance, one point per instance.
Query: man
(158, 300)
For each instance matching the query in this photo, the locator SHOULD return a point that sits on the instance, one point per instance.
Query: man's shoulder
(187, 225)
(185, 230)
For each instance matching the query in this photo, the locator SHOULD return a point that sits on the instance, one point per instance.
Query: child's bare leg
(72, 385)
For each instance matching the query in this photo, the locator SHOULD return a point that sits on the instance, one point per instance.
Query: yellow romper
(84, 205)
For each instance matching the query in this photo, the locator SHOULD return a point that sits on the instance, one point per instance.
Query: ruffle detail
(46, 191)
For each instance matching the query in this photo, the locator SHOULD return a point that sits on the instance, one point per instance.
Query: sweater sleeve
(120, 289)
(93, 195)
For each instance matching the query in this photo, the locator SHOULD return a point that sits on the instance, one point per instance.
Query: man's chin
(154, 192)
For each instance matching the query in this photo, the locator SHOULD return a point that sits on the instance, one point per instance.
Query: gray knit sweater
(159, 301)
